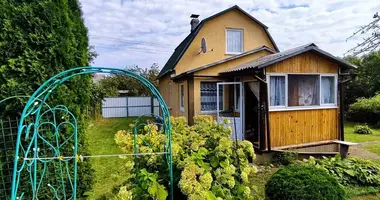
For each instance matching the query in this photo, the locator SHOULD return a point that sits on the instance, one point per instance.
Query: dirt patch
(360, 152)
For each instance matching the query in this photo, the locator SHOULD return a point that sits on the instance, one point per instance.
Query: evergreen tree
(38, 39)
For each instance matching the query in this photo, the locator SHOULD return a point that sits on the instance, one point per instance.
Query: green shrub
(303, 182)
(285, 158)
(365, 110)
(207, 163)
(350, 171)
(362, 129)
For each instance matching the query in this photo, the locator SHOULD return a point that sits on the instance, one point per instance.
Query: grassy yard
(108, 171)
(349, 134)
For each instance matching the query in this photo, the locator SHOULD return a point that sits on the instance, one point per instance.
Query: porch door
(230, 107)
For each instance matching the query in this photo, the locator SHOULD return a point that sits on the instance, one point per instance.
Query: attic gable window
(234, 41)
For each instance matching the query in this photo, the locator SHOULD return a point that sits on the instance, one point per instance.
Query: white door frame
(242, 120)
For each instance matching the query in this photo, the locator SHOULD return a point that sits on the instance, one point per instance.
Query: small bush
(365, 110)
(350, 171)
(303, 182)
(362, 129)
(285, 158)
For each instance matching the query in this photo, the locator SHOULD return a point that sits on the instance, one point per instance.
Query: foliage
(362, 129)
(366, 110)
(371, 42)
(367, 76)
(303, 182)
(350, 171)
(285, 158)
(112, 84)
(349, 134)
(207, 163)
(38, 39)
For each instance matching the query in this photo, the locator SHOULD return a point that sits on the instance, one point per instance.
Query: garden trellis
(47, 140)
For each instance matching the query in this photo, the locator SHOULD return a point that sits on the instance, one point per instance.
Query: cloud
(142, 32)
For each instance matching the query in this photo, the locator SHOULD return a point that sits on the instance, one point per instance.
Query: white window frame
(200, 99)
(320, 106)
(335, 89)
(242, 41)
(181, 97)
(236, 79)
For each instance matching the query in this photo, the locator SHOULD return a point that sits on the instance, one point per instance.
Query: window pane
(303, 90)
(234, 41)
(328, 89)
(208, 96)
(182, 99)
(277, 90)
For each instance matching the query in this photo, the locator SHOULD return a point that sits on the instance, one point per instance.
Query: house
(230, 67)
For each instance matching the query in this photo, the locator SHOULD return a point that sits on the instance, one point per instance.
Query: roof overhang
(278, 57)
(252, 51)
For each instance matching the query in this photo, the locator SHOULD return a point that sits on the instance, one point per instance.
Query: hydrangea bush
(207, 163)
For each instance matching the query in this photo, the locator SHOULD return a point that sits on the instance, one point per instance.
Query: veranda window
(303, 90)
(208, 97)
(292, 91)
(277, 90)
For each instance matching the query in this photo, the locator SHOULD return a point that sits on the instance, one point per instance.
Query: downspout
(266, 108)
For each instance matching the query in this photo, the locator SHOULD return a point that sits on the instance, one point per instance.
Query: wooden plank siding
(304, 63)
(303, 126)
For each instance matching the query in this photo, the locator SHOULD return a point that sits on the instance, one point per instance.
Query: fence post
(152, 105)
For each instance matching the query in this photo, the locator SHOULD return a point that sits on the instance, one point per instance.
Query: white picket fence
(129, 106)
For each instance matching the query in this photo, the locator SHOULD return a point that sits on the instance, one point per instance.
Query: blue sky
(142, 32)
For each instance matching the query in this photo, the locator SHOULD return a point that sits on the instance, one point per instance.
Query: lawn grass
(109, 172)
(374, 148)
(260, 179)
(350, 136)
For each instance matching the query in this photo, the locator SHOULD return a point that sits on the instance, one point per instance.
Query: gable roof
(182, 47)
(252, 51)
(277, 57)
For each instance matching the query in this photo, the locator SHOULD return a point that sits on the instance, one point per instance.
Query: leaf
(214, 161)
(224, 163)
(210, 196)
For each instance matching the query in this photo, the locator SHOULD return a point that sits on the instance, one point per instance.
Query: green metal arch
(32, 119)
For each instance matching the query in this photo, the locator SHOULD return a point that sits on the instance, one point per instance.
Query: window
(209, 97)
(328, 89)
(302, 90)
(277, 90)
(181, 98)
(234, 41)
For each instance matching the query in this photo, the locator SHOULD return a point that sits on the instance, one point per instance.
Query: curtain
(208, 96)
(277, 90)
(254, 86)
(328, 93)
(234, 41)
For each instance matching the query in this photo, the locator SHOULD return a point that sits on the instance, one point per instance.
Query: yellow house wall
(214, 31)
(214, 71)
(173, 100)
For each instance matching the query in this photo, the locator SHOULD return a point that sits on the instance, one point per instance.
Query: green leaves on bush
(350, 171)
(285, 158)
(366, 110)
(362, 129)
(303, 182)
(207, 163)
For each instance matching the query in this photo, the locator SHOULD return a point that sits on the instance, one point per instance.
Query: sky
(143, 32)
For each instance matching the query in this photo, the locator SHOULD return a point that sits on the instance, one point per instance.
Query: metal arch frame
(33, 108)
